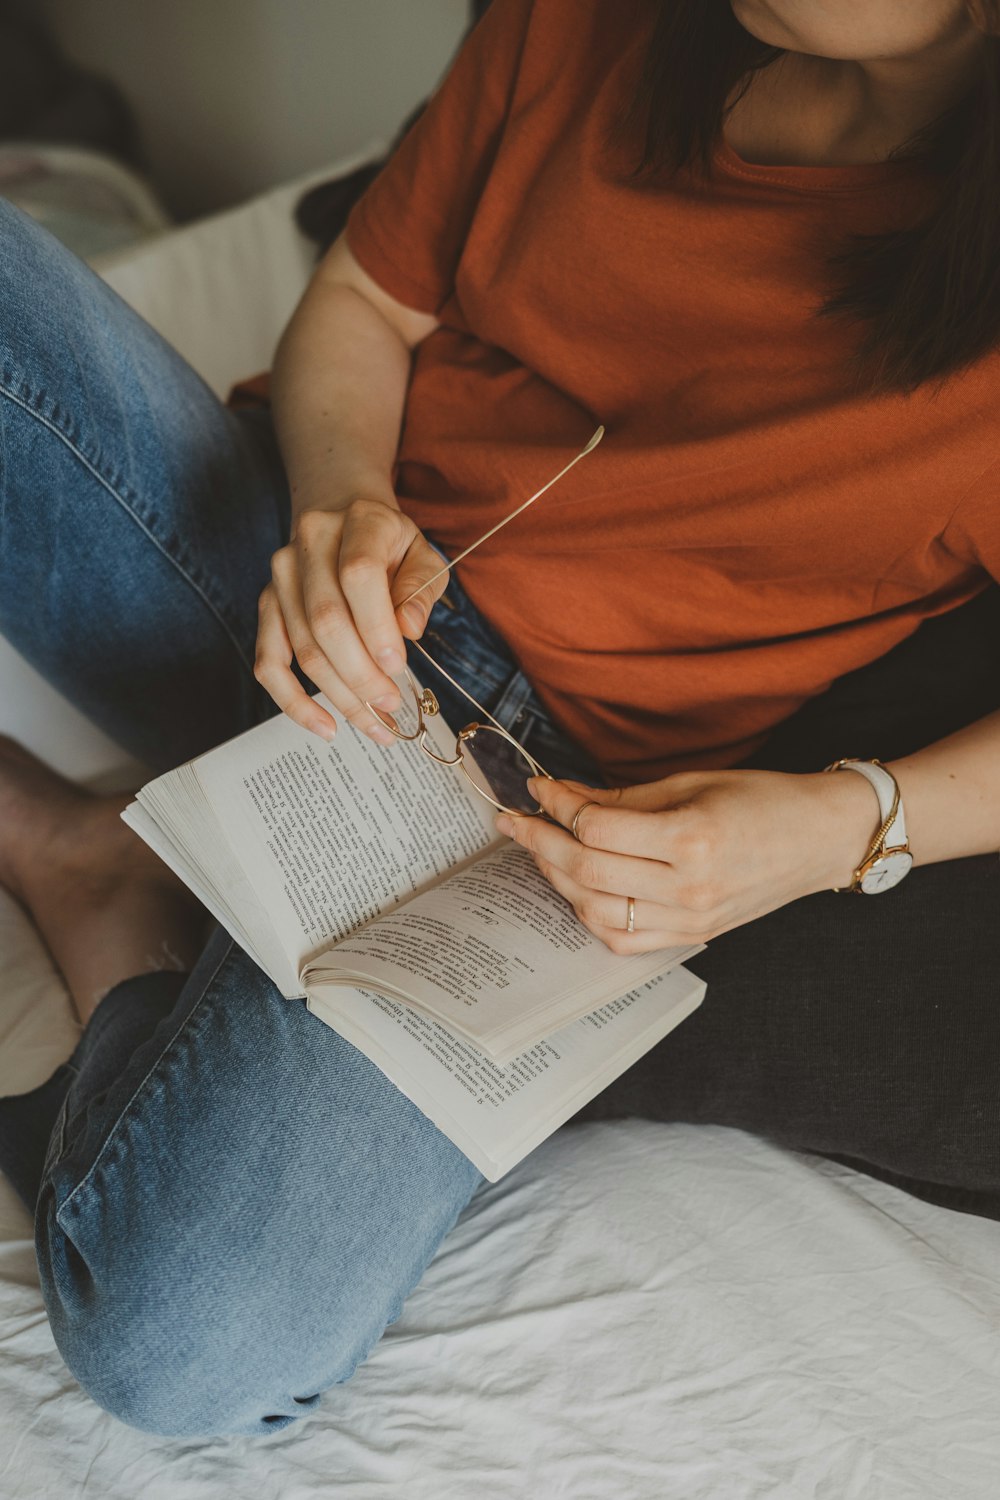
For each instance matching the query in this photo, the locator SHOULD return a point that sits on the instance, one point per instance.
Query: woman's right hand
(332, 604)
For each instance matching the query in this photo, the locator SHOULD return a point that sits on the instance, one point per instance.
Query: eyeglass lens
(494, 764)
(499, 769)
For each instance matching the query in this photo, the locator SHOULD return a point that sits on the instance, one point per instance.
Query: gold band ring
(576, 817)
(630, 924)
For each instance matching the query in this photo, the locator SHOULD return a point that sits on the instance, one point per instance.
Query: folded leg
(137, 514)
(864, 1028)
(234, 1206)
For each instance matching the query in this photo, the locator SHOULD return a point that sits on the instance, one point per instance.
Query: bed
(637, 1312)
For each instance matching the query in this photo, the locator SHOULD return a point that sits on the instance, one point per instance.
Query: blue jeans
(228, 1212)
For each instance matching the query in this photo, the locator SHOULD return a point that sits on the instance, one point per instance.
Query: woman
(568, 236)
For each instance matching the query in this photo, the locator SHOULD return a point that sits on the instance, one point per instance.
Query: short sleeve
(409, 228)
(974, 530)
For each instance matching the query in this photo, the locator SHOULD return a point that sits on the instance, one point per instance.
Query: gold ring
(630, 924)
(576, 818)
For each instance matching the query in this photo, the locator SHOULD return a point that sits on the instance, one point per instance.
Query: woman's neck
(818, 111)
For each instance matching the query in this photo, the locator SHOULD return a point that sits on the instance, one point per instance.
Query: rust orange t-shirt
(749, 529)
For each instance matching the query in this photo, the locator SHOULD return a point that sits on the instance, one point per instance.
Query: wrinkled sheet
(638, 1312)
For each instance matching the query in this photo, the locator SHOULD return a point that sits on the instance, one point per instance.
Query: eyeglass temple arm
(494, 529)
(474, 701)
(484, 711)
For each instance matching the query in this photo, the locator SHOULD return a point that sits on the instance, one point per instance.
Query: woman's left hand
(700, 852)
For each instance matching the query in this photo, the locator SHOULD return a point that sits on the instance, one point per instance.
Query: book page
(497, 1114)
(224, 892)
(329, 835)
(494, 952)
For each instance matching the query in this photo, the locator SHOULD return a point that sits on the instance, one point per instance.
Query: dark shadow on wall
(322, 212)
(47, 100)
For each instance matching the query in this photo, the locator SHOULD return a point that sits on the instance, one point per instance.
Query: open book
(371, 882)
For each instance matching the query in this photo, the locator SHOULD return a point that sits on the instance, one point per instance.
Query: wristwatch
(888, 858)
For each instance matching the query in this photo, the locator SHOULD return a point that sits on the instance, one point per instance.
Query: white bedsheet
(638, 1312)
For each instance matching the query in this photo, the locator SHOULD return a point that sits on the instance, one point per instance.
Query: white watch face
(886, 872)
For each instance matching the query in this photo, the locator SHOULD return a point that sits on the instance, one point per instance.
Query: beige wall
(234, 95)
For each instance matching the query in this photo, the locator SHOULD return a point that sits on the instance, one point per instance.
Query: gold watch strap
(877, 845)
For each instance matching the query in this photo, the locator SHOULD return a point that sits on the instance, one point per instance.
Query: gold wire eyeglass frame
(426, 704)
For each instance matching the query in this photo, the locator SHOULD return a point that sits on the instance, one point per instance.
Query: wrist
(848, 819)
(334, 492)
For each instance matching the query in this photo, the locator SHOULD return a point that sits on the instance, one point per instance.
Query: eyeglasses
(495, 763)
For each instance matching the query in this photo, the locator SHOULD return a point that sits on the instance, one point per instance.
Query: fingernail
(414, 616)
(388, 702)
(505, 825)
(390, 659)
(533, 784)
(382, 736)
(329, 733)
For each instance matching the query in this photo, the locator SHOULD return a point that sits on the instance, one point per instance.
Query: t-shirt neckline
(851, 178)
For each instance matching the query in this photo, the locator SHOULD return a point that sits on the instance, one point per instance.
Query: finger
(629, 943)
(592, 869)
(315, 662)
(655, 927)
(600, 911)
(617, 829)
(272, 669)
(373, 558)
(342, 567)
(419, 565)
(673, 792)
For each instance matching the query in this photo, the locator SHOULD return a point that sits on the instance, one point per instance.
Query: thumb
(418, 566)
(647, 796)
(604, 796)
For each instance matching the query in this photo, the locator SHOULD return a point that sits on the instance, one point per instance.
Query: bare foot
(106, 906)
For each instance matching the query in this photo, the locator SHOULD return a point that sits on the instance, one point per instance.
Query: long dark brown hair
(929, 294)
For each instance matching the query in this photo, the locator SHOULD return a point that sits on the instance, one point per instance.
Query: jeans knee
(184, 1350)
(16, 227)
(30, 256)
(165, 1370)
(51, 301)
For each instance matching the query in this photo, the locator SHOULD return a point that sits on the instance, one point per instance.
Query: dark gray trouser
(863, 1028)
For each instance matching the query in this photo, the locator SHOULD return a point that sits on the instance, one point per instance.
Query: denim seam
(516, 698)
(482, 678)
(113, 1132)
(38, 416)
(57, 1142)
